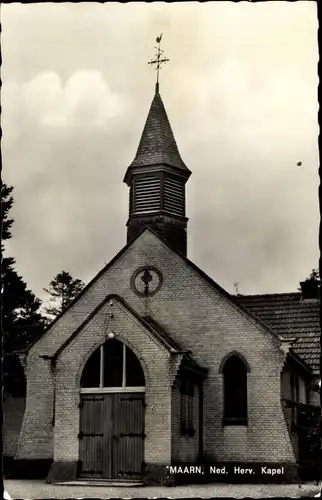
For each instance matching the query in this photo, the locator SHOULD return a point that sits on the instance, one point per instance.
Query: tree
(22, 321)
(314, 276)
(62, 289)
(6, 205)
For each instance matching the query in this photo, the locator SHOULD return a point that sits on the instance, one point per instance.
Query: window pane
(187, 387)
(190, 413)
(184, 413)
(297, 389)
(134, 372)
(91, 373)
(113, 363)
(235, 388)
(292, 384)
(230, 397)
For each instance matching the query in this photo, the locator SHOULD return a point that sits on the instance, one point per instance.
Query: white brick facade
(199, 318)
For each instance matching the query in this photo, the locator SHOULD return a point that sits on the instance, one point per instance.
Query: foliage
(314, 276)
(62, 289)
(22, 321)
(6, 205)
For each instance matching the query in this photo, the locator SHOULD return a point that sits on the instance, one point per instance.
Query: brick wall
(36, 437)
(155, 362)
(199, 318)
(13, 412)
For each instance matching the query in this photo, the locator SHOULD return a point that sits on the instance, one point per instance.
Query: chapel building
(155, 364)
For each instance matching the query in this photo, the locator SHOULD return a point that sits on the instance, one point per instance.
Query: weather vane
(158, 61)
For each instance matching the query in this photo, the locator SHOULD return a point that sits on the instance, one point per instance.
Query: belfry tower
(157, 178)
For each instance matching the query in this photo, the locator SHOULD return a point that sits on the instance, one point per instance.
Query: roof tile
(289, 317)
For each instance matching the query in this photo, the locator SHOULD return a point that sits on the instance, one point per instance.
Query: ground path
(30, 490)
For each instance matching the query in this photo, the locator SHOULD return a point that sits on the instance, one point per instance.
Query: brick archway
(111, 437)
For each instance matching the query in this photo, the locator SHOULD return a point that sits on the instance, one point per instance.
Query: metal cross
(159, 60)
(146, 278)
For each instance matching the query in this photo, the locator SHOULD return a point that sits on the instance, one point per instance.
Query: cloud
(85, 100)
(241, 95)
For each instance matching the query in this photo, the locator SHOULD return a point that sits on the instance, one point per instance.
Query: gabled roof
(96, 277)
(158, 332)
(188, 363)
(290, 317)
(280, 314)
(157, 144)
(207, 278)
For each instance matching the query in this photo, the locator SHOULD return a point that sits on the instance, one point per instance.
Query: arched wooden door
(111, 437)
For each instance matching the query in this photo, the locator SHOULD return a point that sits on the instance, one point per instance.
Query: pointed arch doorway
(111, 434)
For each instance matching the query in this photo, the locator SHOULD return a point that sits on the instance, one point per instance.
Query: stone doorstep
(107, 483)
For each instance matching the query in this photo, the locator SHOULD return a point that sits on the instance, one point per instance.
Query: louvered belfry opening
(157, 178)
(174, 196)
(147, 194)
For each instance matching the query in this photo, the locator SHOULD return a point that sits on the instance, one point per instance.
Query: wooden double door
(111, 437)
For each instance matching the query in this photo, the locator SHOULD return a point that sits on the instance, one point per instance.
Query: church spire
(157, 144)
(157, 178)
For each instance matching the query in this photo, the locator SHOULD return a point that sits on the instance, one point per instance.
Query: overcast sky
(241, 95)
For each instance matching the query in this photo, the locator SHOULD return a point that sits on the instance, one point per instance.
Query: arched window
(113, 365)
(235, 391)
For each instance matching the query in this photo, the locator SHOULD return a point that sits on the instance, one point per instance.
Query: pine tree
(21, 319)
(6, 205)
(62, 290)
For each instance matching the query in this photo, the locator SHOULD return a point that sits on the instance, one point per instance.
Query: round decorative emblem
(146, 281)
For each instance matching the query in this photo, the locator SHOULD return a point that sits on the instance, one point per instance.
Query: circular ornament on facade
(146, 281)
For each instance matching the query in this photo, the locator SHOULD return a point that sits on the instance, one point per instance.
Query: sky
(240, 91)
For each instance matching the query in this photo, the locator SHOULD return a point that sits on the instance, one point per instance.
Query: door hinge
(92, 471)
(131, 399)
(93, 399)
(92, 434)
(133, 434)
(129, 473)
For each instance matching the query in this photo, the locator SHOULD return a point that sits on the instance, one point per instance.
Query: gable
(187, 297)
(156, 333)
(112, 315)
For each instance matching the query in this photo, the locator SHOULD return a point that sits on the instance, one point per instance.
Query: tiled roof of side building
(290, 317)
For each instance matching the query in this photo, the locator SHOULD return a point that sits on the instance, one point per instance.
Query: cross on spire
(158, 61)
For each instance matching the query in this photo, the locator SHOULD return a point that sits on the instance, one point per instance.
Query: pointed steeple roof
(157, 144)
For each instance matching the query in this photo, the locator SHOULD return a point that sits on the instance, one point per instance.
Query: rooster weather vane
(158, 61)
